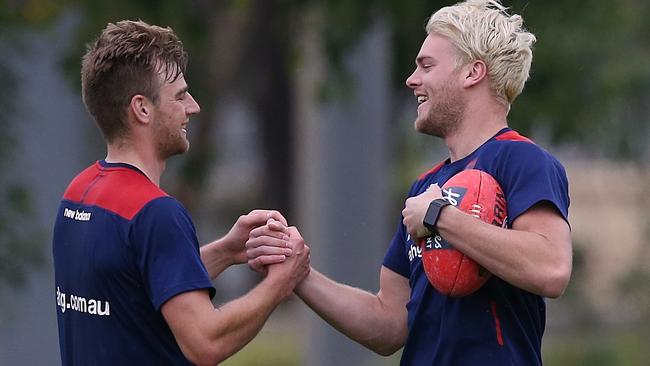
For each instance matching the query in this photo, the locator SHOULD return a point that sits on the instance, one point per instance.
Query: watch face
(431, 216)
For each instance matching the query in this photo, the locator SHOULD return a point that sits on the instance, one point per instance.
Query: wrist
(302, 285)
(433, 213)
(278, 284)
(216, 258)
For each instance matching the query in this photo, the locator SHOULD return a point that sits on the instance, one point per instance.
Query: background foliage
(589, 90)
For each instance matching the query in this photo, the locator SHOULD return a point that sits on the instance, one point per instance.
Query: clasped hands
(275, 245)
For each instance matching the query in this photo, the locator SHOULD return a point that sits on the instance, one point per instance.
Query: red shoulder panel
(432, 170)
(117, 189)
(513, 136)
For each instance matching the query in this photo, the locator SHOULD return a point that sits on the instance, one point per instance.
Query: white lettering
(76, 214)
(451, 196)
(82, 216)
(60, 299)
(68, 213)
(81, 304)
(415, 251)
(92, 307)
(107, 309)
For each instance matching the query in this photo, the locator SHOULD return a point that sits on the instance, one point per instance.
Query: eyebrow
(420, 60)
(182, 91)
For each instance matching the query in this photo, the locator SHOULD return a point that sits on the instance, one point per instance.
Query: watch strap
(433, 214)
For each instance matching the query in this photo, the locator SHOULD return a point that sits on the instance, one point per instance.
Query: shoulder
(512, 148)
(119, 190)
(425, 177)
(165, 213)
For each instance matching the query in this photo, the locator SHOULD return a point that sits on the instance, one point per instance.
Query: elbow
(387, 350)
(203, 355)
(206, 359)
(388, 346)
(555, 283)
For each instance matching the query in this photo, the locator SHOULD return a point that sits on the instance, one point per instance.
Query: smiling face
(172, 111)
(437, 84)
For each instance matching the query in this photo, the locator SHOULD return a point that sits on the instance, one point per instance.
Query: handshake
(272, 248)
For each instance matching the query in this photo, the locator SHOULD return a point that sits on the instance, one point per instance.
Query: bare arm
(535, 255)
(207, 335)
(378, 322)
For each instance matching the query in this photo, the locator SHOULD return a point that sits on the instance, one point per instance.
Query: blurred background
(304, 110)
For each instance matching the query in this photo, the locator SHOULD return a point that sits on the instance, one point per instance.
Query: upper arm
(394, 289)
(188, 315)
(164, 238)
(544, 219)
(394, 293)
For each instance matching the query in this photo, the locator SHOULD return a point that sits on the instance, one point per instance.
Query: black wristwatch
(433, 213)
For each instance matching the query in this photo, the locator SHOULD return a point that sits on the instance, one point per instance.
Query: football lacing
(476, 211)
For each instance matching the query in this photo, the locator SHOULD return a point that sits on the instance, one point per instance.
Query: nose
(193, 107)
(413, 81)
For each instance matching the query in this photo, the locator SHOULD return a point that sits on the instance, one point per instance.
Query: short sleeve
(529, 175)
(167, 251)
(396, 259)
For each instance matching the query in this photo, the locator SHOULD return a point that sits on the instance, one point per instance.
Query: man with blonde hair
(470, 68)
(132, 286)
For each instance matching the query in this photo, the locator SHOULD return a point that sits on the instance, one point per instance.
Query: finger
(276, 215)
(267, 231)
(260, 217)
(264, 261)
(296, 242)
(294, 233)
(277, 226)
(269, 241)
(267, 250)
(257, 267)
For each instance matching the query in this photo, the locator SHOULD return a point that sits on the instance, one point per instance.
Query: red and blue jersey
(122, 247)
(499, 324)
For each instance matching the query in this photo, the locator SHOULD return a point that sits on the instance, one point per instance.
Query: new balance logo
(76, 214)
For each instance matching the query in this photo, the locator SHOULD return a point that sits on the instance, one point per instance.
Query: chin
(427, 126)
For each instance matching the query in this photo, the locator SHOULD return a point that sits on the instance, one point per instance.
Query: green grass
(627, 347)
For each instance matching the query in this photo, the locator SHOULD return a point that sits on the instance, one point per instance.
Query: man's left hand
(415, 209)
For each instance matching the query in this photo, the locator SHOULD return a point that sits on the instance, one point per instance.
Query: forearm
(525, 259)
(358, 314)
(215, 258)
(207, 335)
(239, 321)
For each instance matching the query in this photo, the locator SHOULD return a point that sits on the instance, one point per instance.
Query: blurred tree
(21, 244)
(589, 82)
(246, 48)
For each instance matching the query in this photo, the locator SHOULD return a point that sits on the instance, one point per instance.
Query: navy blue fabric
(113, 273)
(499, 324)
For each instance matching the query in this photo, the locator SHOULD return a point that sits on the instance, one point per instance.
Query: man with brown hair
(132, 286)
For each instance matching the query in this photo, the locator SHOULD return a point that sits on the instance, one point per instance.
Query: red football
(451, 272)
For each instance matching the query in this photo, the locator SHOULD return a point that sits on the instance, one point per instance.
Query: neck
(140, 157)
(477, 126)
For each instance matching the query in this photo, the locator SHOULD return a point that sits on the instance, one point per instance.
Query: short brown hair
(122, 62)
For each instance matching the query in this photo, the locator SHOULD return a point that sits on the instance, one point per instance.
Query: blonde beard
(444, 117)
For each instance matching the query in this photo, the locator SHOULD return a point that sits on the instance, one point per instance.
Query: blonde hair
(483, 30)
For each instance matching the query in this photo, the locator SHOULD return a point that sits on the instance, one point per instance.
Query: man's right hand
(296, 267)
(262, 249)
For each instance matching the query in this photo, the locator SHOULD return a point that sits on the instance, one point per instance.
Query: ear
(141, 108)
(474, 73)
